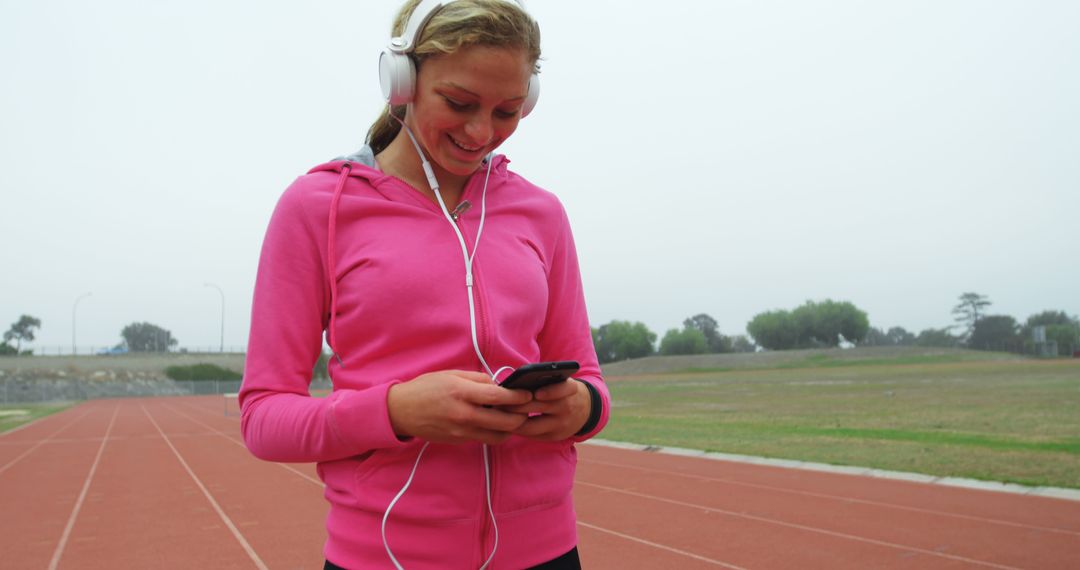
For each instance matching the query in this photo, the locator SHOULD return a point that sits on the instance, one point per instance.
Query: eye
(455, 105)
(506, 114)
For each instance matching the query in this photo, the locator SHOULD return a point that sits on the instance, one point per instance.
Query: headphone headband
(406, 42)
(418, 19)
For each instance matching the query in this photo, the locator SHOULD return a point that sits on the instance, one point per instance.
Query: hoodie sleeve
(567, 334)
(280, 420)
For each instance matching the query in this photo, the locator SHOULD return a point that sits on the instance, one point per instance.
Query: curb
(1047, 492)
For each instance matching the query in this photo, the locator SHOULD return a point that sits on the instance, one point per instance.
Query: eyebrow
(460, 88)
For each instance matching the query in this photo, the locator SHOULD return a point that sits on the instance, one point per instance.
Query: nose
(479, 128)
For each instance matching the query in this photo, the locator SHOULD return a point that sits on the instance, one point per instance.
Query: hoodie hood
(362, 164)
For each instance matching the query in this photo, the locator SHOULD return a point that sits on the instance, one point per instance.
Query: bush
(811, 325)
(201, 372)
(685, 341)
(621, 340)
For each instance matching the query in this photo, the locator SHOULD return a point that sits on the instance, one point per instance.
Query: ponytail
(384, 129)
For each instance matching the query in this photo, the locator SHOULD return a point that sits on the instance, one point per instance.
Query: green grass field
(964, 415)
(15, 415)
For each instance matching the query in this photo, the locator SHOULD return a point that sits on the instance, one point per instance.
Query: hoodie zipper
(482, 340)
(486, 532)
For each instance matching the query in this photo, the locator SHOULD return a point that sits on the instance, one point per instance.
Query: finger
(492, 395)
(468, 435)
(556, 391)
(495, 419)
(533, 407)
(538, 427)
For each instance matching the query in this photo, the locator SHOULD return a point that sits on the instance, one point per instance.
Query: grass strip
(926, 437)
(26, 413)
(824, 361)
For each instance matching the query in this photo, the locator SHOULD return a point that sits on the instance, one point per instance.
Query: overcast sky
(714, 156)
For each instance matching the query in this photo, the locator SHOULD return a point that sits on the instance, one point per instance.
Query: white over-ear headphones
(397, 73)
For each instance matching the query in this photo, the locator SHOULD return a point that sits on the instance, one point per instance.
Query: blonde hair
(462, 23)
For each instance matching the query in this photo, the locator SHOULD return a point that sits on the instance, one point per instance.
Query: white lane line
(241, 444)
(837, 498)
(82, 495)
(801, 527)
(660, 546)
(40, 443)
(221, 513)
(1062, 493)
(98, 439)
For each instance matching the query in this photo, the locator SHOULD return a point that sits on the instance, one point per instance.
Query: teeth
(463, 147)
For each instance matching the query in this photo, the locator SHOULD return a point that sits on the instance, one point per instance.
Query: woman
(427, 461)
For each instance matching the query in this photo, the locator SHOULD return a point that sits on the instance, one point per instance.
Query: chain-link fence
(110, 350)
(22, 391)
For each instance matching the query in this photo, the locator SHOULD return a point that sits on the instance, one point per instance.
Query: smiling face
(467, 103)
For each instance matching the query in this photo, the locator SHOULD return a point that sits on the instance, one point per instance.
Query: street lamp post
(75, 306)
(222, 293)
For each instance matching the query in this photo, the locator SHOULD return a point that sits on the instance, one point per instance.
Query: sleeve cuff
(596, 412)
(361, 419)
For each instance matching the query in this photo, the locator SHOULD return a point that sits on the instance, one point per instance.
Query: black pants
(568, 561)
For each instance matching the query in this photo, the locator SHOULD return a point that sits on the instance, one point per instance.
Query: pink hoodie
(400, 309)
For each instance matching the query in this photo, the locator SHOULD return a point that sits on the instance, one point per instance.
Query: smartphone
(540, 374)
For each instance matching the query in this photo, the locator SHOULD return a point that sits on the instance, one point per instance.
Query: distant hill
(799, 359)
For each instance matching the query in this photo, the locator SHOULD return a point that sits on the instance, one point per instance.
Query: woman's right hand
(455, 406)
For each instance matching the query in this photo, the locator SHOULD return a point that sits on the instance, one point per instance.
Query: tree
(621, 340)
(969, 309)
(686, 341)
(996, 332)
(146, 337)
(824, 323)
(1047, 318)
(810, 325)
(937, 338)
(875, 337)
(775, 330)
(898, 336)
(1060, 329)
(22, 330)
(714, 341)
(320, 372)
(739, 343)
(1066, 337)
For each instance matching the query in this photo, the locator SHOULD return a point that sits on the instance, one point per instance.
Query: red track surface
(166, 483)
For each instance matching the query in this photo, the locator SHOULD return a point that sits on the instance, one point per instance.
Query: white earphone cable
(429, 173)
(400, 494)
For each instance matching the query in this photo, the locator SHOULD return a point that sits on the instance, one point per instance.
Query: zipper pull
(460, 209)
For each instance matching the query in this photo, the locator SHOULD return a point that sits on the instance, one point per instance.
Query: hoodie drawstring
(331, 254)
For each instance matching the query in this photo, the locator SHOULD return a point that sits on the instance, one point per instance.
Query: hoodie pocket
(338, 478)
(445, 488)
(534, 474)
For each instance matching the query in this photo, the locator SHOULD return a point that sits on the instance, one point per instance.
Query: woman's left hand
(563, 407)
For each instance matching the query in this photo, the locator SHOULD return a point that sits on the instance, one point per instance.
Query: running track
(166, 483)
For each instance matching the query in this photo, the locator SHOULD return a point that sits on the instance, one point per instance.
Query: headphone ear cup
(532, 96)
(397, 77)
